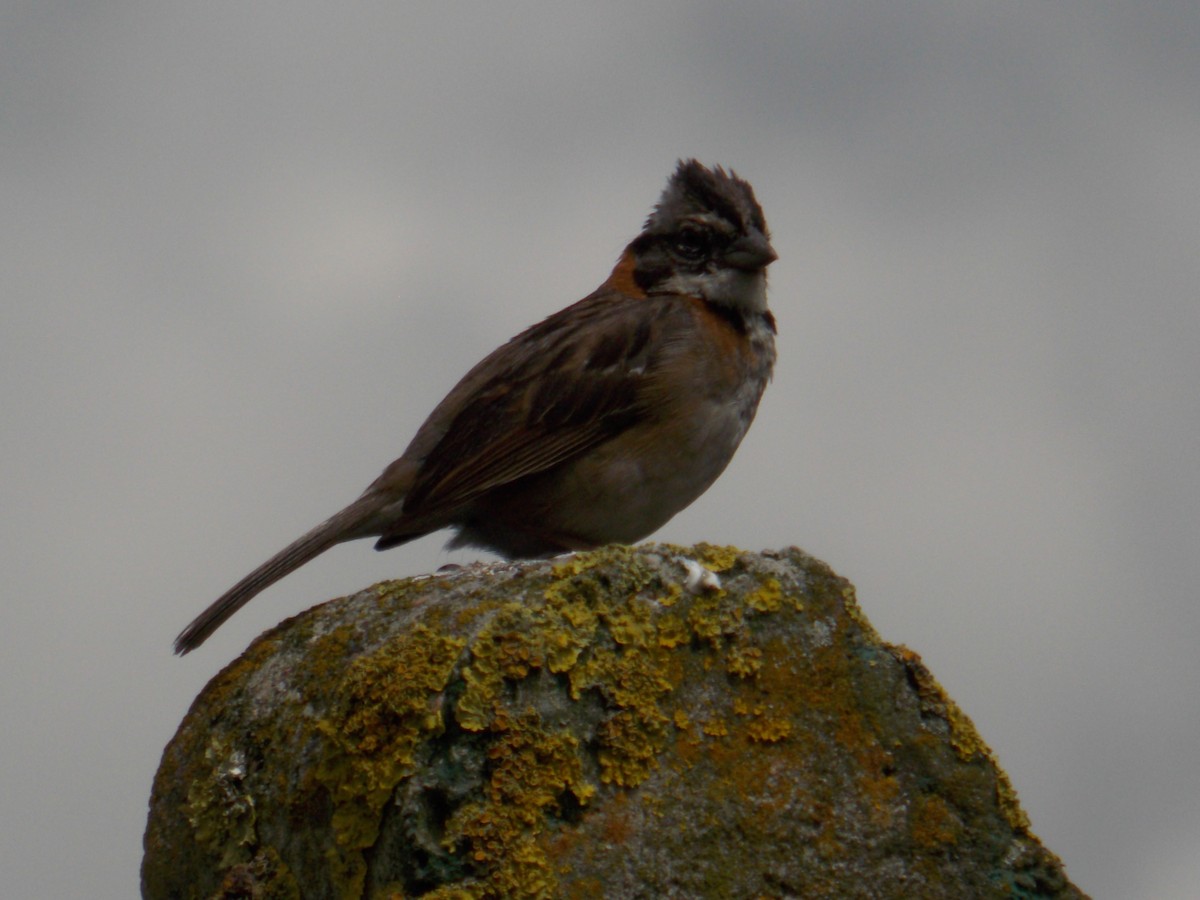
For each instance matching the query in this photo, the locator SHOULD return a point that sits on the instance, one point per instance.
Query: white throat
(735, 288)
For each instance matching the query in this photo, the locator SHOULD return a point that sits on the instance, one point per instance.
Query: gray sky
(245, 248)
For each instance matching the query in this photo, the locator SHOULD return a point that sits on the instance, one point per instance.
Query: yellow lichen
(768, 597)
(631, 624)
(768, 730)
(718, 559)
(743, 661)
(629, 746)
(672, 632)
(531, 770)
(604, 638)
(219, 807)
(671, 594)
(710, 617)
(633, 680)
(387, 703)
(964, 737)
(605, 625)
(506, 648)
(855, 613)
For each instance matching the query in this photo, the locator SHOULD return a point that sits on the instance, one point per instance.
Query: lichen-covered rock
(586, 727)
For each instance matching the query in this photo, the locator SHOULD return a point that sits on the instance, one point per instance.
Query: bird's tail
(346, 525)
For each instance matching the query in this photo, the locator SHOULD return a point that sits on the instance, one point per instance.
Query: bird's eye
(693, 244)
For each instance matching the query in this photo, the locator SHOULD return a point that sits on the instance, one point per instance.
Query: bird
(594, 426)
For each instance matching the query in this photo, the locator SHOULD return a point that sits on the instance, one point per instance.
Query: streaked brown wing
(564, 386)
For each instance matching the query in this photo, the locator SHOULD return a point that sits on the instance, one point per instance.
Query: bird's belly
(622, 492)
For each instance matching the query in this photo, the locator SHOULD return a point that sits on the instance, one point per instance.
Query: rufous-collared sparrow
(596, 425)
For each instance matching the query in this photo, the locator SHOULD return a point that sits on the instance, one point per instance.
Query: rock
(587, 727)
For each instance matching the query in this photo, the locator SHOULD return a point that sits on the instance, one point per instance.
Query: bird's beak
(750, 253)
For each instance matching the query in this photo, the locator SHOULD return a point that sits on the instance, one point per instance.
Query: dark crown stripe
(713, 189)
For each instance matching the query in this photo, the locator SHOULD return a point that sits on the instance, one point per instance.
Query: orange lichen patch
(585, 889)
(617, 826)
(759, 790)
(821, 687)
(881, 791)
(933, 822)
(1010, 804)
(570, 627)
(687, 748)
(858, 735)
(597, 568)
(464, 618)
(721, 750)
